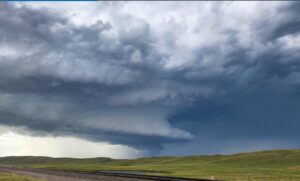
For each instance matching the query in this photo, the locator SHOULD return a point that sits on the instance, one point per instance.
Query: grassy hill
(264, 165)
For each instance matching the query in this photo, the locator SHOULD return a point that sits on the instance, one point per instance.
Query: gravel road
(60, 175)
(49, 175)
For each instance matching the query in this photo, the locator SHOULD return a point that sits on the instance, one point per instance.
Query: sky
(135, 79)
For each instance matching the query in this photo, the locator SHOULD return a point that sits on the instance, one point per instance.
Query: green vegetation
(266, 165)
(13, 177)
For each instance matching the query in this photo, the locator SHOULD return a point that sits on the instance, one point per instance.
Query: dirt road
(49, 175)
(59, 175)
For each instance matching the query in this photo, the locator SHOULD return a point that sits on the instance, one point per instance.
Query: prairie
(280, 165)
(13, 177)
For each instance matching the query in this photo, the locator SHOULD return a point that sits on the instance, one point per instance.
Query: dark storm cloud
(143, 82)
(289, 21)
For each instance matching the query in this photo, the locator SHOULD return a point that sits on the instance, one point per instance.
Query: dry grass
(13, 177)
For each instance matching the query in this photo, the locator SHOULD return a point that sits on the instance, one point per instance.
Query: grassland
(265, 165)
(12, 177)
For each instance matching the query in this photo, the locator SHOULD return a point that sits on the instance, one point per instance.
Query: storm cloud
(196, 73)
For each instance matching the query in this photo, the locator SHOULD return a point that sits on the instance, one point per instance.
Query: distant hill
(263, 165)
(33, 160)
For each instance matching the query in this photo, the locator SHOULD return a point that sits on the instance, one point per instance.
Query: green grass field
(12, 177)
(265, 165)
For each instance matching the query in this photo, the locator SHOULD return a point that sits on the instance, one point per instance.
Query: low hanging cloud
(103, 72)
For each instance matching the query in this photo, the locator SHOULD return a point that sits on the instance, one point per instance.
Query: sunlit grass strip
(13, 177)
